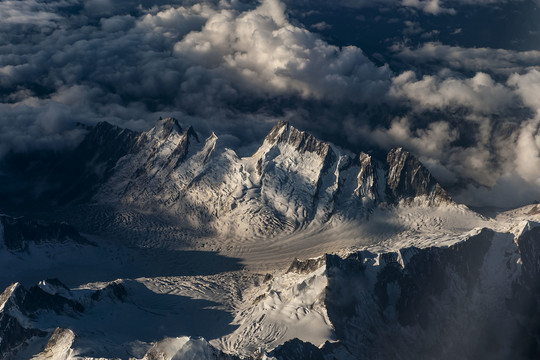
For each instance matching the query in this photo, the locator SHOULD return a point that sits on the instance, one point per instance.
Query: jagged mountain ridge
(19, 307)
(26, 316)
(46, 179)
(475, 299)
(292, 181)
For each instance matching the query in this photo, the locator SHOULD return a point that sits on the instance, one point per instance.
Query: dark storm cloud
(497, 61)
(235, 68)
(430, 7)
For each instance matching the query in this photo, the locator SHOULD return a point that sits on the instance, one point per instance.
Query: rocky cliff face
(53, 178)
(463, 301)
(22, 308)
(13, 333)
(408, 179)
(19, 306)
(18, 233)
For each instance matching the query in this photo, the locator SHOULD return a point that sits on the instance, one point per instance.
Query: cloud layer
(209, 61)
(498, 61)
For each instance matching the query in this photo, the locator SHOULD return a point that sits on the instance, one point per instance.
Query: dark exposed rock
(36, 299)
(13, 334)
(168, 126)
(475, 299)
(525, 300)
(302, 141)
(296, 349)
(49, 178)
(306, 266)
(19, 232)
(16, 302)
(408, 178)
(114, 290)
(152, 141)
(366, 185)
(30, 302)
(396, 297)
(529, 245)
(57, 283)
(181, 151)
(92, 162)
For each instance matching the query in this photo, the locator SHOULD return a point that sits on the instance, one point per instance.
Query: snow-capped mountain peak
(292, 181)
(301, 141)
(409, 179)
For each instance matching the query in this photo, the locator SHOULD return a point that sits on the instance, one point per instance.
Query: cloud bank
(498, 61)
(204, 60)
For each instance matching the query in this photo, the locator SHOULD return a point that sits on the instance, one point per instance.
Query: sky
(456, 82)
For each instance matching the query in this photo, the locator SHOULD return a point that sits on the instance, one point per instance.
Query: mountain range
(171, 246)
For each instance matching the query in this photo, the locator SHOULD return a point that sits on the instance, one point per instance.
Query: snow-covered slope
(291, 182)
(452, 295)
(473, 298)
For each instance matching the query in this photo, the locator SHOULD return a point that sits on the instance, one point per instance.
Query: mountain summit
(293, 180)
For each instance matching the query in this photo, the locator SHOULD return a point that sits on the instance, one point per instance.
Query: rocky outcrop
(301, 141)
(366, 185)
(296, 349)
(58, 347)
(440, 302)
(114, 291)
(22, 309)
(18, 306)
(164, 147)
(18, 233)
(408, 179)
(307, 266)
